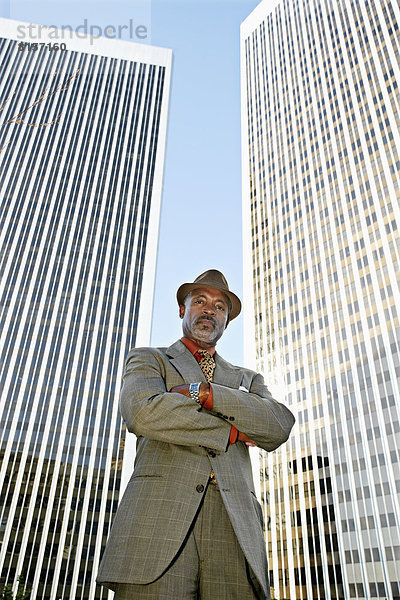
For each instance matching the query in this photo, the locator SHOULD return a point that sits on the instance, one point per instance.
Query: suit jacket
(177, 446)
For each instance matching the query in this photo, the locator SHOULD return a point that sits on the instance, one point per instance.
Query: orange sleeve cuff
(208, 404)
(233, 436)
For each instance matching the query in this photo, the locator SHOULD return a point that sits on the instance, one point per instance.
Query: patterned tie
(207, 365)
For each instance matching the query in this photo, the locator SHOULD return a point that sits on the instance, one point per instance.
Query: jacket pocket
(146, 476)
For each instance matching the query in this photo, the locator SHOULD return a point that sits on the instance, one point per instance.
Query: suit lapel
(226, 374)
(185, 363)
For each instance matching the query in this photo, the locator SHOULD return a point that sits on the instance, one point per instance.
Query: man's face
(205, 316)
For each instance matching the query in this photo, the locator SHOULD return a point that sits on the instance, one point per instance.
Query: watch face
(194, 389)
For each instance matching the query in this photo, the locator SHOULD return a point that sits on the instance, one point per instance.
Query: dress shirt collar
(193, 347)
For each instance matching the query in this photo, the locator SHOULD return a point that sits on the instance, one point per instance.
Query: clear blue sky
(201, 208)
(201, 211)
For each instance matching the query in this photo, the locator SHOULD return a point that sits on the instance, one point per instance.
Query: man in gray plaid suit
(189, 525)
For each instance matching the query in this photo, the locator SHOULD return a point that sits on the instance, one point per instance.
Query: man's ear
(181, 311)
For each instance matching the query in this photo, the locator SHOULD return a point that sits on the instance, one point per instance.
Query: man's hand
(184, 389)
(242, 437)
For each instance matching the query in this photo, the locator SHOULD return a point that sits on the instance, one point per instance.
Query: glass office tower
(320, 129)
(82, 138)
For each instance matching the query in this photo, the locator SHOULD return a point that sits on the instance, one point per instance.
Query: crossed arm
(150, 410)
(204, 395)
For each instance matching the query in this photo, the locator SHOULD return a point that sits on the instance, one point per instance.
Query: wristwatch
(194, 389)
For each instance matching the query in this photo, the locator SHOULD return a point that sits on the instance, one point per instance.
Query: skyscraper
(82, 138)
(320, 130)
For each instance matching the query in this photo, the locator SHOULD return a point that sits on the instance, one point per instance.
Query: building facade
(82, 139)
(321, 176)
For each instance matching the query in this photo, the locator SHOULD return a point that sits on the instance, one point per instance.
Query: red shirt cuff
(233, 436)
(208, 404)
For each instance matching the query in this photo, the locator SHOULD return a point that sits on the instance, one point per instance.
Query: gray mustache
(207, 318)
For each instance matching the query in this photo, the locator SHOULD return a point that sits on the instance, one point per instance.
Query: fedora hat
(215, 279)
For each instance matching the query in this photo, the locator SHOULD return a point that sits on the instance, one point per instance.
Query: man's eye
(221, 308)
(198, 301)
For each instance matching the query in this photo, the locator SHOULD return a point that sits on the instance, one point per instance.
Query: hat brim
(186, 288)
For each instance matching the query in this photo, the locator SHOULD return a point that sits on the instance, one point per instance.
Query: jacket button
(199, 488)
(212, 453)
(231, 418)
